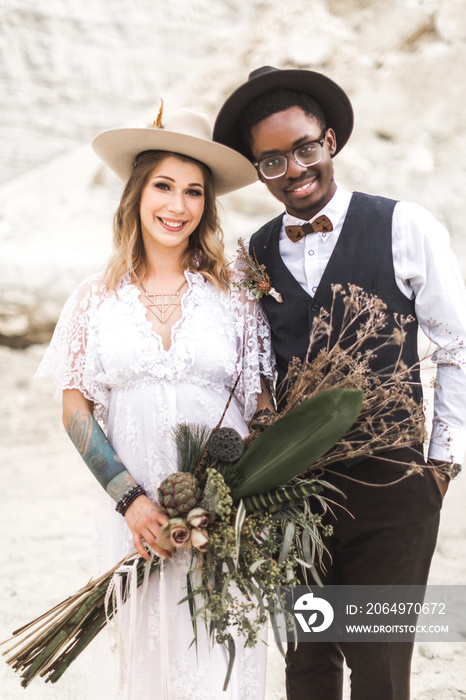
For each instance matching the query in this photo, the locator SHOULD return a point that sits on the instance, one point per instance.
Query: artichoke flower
(178, 494)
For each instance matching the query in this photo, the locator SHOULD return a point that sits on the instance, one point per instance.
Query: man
(291, 123)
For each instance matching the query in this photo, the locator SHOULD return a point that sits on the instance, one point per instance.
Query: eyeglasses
(307, 154)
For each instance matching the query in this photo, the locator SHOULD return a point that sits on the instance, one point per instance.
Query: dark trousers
(390, 540)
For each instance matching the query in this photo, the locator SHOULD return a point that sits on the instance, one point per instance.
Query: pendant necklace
(163, 305)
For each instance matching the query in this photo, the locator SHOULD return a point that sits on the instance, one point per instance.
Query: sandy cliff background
(70, 68)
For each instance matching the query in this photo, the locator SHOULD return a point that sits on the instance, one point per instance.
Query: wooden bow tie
(295, 233)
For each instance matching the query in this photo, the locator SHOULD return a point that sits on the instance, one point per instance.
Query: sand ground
(46, 524)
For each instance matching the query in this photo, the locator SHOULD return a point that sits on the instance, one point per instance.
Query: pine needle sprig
(191, 441)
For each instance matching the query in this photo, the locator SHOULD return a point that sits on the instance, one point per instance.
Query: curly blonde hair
(205, 252)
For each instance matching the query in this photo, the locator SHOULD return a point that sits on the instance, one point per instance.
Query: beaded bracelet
(127, 498)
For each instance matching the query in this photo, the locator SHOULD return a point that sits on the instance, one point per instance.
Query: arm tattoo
(119, 485)
(98, 454)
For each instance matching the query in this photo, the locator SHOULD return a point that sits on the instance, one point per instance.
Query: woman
(153, 342)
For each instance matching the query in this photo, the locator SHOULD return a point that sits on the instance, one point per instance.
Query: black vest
(362, 256)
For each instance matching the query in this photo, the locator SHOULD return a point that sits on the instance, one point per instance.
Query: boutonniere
(254, 276)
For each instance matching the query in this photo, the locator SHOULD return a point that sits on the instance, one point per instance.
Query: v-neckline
(176, 326)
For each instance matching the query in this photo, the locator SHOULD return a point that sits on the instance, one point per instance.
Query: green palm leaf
(293, 443)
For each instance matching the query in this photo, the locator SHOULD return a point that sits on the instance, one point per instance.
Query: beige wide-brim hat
(183, 131)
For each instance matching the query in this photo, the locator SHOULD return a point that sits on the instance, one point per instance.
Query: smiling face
(171, 204)
(303, 190)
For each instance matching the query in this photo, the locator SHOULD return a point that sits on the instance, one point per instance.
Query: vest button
(315, 308)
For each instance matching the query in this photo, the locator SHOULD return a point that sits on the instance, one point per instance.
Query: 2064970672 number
(405, 608)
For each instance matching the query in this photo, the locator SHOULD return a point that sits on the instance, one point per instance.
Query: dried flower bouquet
(250, 520)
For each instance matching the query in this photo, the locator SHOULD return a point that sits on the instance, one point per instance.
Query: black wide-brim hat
(333, 101)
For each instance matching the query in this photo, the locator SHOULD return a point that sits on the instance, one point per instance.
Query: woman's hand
(145, 520)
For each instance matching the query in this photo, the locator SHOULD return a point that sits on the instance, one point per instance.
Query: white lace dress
(104, 346)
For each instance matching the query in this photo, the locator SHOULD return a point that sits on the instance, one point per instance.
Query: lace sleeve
(255, 356)
(72, 358)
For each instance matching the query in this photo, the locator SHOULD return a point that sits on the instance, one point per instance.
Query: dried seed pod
(226, 444)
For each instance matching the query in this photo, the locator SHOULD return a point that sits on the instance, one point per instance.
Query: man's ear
(331, 141)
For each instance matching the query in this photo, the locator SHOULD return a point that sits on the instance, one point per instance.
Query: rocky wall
(69, 69)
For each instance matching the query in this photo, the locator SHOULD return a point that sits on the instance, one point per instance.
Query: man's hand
(443, 481)
(262, 419)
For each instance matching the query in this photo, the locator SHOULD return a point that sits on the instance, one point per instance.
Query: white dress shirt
(426, 270)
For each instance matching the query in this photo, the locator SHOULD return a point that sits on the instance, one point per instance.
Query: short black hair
(274, 101)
